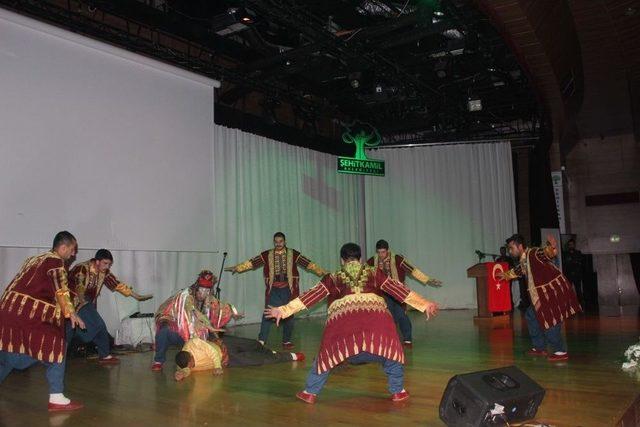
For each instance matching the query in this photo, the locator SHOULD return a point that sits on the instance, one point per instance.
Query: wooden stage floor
(589, 390)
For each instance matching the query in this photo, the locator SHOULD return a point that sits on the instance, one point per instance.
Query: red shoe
(399, 397)
(109, 360)
(407, 344)
(71, 406)
(287, 345)
(300, 357)
(558, 357)
(156, 366)
(536, 352)
(306, 397)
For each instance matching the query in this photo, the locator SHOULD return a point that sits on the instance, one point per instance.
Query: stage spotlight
(474, 105)
(441, 68)
(234, 20)
(354, 79)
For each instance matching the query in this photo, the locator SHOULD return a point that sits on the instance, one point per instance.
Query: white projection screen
(112, 146)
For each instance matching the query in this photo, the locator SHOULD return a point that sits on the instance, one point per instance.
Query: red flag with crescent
(499, 291)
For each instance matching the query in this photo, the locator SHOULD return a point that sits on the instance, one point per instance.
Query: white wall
(112, 146)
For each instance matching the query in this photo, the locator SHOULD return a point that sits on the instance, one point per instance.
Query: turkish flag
(499, 291)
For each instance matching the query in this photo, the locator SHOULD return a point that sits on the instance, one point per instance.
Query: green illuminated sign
(361, 167)
(361, 164)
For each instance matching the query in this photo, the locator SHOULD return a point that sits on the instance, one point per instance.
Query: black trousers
(249, 352)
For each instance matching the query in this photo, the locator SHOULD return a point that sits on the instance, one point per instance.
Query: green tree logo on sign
(362, 135)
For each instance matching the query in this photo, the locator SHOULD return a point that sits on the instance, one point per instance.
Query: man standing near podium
(553, 298)
(397, 267)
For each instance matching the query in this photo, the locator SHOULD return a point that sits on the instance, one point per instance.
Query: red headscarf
(206, 279)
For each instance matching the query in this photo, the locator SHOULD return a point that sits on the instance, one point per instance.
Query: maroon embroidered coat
(280, 267)
(33, 309)
(357, 318)
(552, 295)
(85, 283)
(397, 266)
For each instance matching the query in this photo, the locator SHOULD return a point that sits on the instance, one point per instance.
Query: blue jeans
(95, 330)
(54, 373)
(277, 297)
(393, 369)
(165, 337)
(399, 316)
(540, 337)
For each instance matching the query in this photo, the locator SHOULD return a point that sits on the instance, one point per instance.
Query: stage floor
(589, 390)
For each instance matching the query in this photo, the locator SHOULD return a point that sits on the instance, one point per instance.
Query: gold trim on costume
(531, 286)
(420, 276)
(244, 266)
(355, 275)
(22, 303)
(392, 264)
(13, 300)
(290, 277)
(416, 301)
(124, 289)
(10, 346)
(271, 261)
(294, 306)
(356, 302)
(64, 302)
(510, 275)
(315, 269)
(29, 263)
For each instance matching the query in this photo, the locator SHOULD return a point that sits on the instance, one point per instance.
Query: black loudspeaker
(469, 399)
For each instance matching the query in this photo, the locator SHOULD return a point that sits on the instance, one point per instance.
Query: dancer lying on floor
(200, 355)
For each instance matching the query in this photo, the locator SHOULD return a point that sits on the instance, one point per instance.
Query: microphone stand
(482, 255)
(217, 291)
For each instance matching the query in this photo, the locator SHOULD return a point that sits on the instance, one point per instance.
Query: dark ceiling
(609, 34)
(298, 70)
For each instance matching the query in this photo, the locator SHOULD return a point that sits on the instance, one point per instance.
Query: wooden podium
(479, 271)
